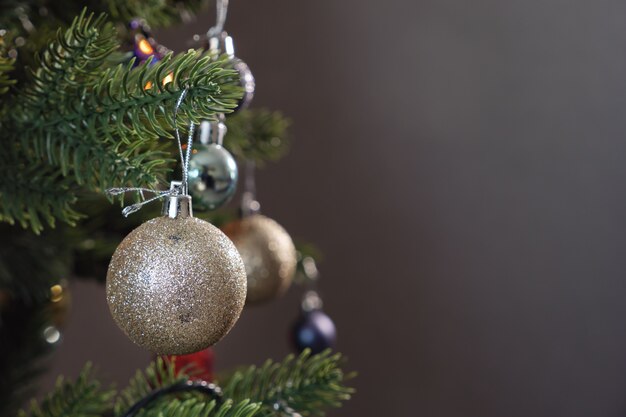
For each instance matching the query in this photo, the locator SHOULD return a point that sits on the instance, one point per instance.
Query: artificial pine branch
(136, 102)
(158, 374)
(31, 194)
(68, 64)
(81, 124)
(162, 373)
(6, 67)
(74, 97)
(82, 398)
(307, 384)
(257, 134)
(196, 407)
(157, 12)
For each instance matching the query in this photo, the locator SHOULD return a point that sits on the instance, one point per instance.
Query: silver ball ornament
(246, 81)
(212, 176)
(176, 285)
(223, 43)
(268, 254)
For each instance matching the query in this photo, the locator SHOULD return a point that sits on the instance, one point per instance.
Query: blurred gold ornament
(56, 293)
(268, 254)
(56, 306)
(176, 285)
(59, 304)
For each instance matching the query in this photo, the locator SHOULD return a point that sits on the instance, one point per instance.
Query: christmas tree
(83, 112)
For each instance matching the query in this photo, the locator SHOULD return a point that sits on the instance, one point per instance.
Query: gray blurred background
(460, 164)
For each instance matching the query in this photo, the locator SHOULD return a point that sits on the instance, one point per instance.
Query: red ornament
(199, 364)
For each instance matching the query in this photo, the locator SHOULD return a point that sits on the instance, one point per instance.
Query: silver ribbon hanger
(185, 155)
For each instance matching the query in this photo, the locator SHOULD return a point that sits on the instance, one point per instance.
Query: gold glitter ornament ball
(268, 254)
(176, 285)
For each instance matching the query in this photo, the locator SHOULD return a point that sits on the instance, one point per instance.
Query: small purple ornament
(314, 330)
(136, 24)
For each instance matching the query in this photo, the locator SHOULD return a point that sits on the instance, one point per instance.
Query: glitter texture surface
(176, 286)
(268, 254)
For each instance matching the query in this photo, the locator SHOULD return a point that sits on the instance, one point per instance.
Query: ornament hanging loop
(178, 203)
(221, 8)
(219, 40)
(184, 158)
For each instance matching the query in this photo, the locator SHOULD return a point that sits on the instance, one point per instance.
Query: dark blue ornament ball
(314, 330)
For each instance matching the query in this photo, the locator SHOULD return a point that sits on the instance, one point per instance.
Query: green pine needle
(158, 374)
(6, 67)
(82, 398)
(196, 407)
(257, 134)
(33, 195)
(156, 12)
(162, 373)
(307, 384)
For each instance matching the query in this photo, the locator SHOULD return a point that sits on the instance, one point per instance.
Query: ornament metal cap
(311, 301)
(177, 206)
(213, 131)
(223, 43)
